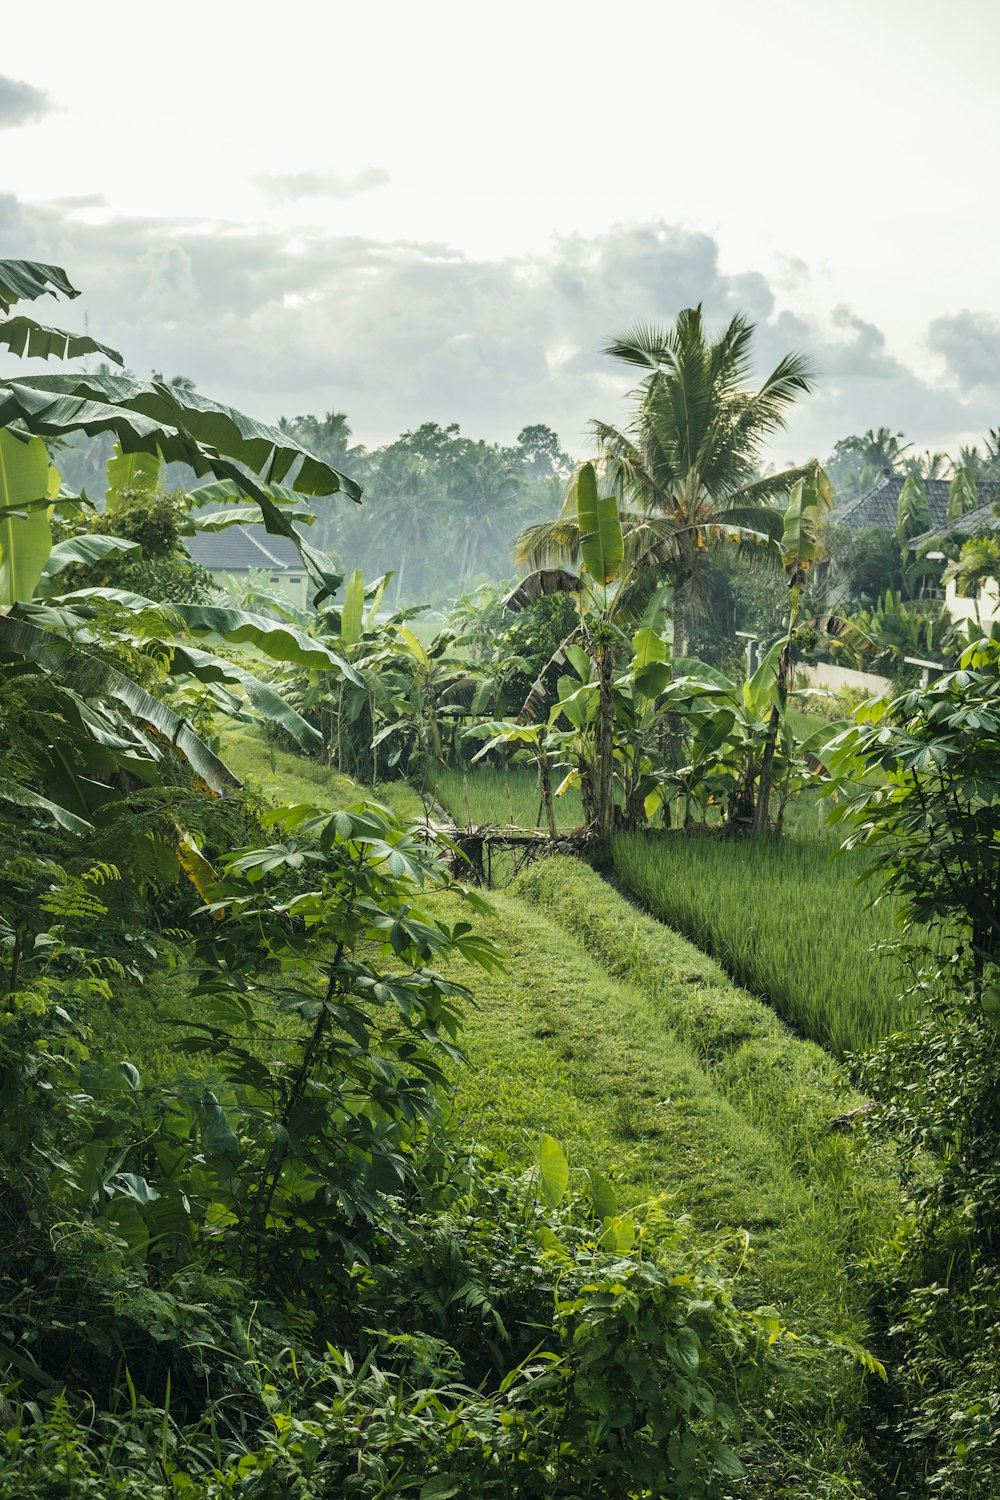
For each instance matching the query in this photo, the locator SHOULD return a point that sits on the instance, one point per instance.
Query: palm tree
(686, 464)
(486, 488)
(406, 505)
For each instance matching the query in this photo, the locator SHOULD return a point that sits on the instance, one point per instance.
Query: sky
(444, 212)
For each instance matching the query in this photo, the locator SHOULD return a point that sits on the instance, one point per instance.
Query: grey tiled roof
(240, 548)
(983, 518)
(879, 506)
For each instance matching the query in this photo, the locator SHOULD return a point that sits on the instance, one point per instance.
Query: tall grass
(786, 918)
(504, 797)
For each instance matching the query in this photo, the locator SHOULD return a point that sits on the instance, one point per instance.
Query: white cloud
(21, 103)
(283, 321)
(294, 186)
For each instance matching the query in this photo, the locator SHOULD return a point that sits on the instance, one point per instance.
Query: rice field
(787, 919)
(505, 798)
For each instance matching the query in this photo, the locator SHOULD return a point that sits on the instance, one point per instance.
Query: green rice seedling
(504, 797)
(787, 919)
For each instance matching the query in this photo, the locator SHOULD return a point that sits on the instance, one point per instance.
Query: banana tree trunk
(605, 748)
(545, 786)
(762, 811)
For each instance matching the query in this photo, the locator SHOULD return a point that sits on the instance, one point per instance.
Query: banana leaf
(538, 585)
(207, 667)
(91, 548)
(25, 537)
(273, 638)
(602, 546)
(55, 405)
(93, 678)
(22, 796)
(24, 280)
(351, 618)
(31, 340)
(130, 471)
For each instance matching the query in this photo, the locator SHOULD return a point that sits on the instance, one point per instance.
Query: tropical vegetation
(669, 1168)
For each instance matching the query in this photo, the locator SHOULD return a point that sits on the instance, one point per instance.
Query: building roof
(238, 549)
(880, 506)
(983, 518)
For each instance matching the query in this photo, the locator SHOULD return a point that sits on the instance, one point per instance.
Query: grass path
(558, 1044)
(632, 1048)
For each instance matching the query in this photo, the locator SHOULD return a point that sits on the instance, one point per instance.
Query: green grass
(787, 918)
(139, 1023)
(501, 798)
(278, 776)
(558, 1044)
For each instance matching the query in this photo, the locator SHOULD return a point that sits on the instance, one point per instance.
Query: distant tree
(542, 453)
(486, 484)
(926, 465)
(860, 461)
(913, 510)
(867, 564)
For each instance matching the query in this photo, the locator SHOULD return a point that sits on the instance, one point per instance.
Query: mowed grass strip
(787, 1086)
(787, 919)
(558, 1045)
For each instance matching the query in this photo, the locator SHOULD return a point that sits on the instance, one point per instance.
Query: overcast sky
(443, 211)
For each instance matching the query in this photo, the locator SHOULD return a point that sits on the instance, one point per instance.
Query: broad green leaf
(553, 1171)
(23, 336)
(602, 548)
(130, 471)
(415, 645)
(22, 796)
(151, 417)
(619, 1234)
(648, 647)
(602, 1195)
(92, 677)
(134, 1186)
(25, 540)
(758, 691)
(90, 548)
(124, 1218)
(130, 1073)
(25, 280)
(351, 617)
(580, 661)
(246, 515)
(724, 1460)
(273, 638)
(653, 679)
(207, 667)
(217, 1135)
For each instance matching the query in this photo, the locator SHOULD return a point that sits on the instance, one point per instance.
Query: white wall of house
(983, 609)
(823, 674)
(294, 585)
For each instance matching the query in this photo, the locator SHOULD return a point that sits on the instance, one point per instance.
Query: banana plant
(801, 546)
(603, 576)
(157, 419)
(151, 421)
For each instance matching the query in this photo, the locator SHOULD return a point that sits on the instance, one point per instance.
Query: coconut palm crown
(686, 465)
